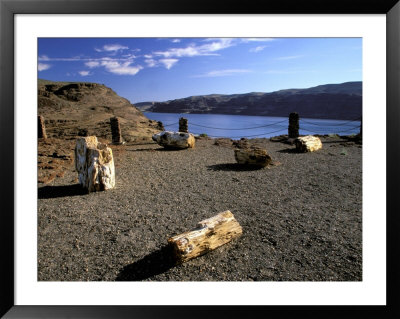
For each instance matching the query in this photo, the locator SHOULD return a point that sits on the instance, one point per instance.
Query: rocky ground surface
(301, 216)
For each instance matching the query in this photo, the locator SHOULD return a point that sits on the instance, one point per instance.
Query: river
(238, 126)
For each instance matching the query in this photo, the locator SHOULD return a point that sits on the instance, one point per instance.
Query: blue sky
(160, 69)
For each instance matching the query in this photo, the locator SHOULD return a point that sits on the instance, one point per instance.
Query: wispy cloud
(84, 73)
(246, 40)
(46, 58)
(92, 64)
(290, 57)
(175, 40)
(121, 68)
(43, 66)
(111, 48)
(168, 63)
(258, 49)
(151, 63)
(228, 72)
(197, 50)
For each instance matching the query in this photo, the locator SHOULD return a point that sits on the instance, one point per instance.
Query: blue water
(238, 126)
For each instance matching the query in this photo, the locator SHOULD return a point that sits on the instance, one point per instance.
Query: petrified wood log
(41, 127)
(116, 131)
(294, 126)
(177, 140)
(254, 156)
(183, 125)
(95, 164)
(308, 143)
(209, 234)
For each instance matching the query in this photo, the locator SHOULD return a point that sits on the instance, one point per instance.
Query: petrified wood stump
(183, 125)
(293, 129)
(115, 131)
(95, 164)
(208, 235)
(308, 143)
(41, 127)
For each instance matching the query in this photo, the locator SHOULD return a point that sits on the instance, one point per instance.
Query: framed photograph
(65, 256)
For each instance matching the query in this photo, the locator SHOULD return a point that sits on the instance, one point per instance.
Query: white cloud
(257, 49)
(46, 58)
(111, 48)
(92, 64)
(43, 66)
(245, 40)
(151, 63)
(228, 72)
(175, 40)
(121, 68)
(197, 50)
(168, 63)
(84, 73)
(43, 58)
(291, 57)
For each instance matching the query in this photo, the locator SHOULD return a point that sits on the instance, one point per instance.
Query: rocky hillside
(70, 108)
(330, 101)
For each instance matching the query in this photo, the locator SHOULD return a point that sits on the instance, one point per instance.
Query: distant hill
(144, 106)
(329, 101)
(70, 107)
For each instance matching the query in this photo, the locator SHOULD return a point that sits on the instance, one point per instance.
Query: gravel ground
(301, 218)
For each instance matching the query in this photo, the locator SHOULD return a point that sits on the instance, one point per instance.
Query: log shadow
(233, 167)
(61, 191)
(289, 151)
(151, 265)
(161, 149)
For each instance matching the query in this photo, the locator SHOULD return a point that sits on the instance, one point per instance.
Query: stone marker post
(41, 127)
(183, 125)
(293, 125)
(115, 131)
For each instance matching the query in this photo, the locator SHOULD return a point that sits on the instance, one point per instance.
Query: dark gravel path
(301, 220)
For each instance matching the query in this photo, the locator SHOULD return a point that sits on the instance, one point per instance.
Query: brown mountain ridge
(73, 109)
(70, 108)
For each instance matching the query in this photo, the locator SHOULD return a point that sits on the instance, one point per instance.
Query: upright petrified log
(115, 131)
(41, 127)
(95, 164)
(293, 129)
(183, 125)
(308, 143)
(209, 234)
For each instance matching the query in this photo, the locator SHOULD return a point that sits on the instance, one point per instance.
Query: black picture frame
(8, 8)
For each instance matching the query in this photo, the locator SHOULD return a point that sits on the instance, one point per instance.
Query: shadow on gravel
(232, 167)
(161, 149)
(151, 265)
(289, 151)
(60, 191)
